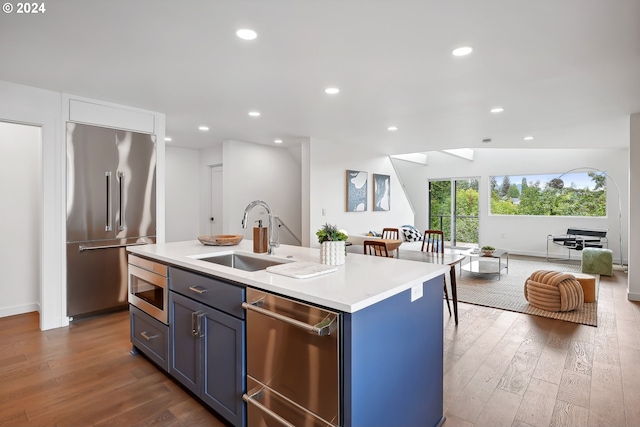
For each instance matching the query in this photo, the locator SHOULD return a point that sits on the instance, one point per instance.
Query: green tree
(440, 206)
(467, 212)
(504, 189)
(513, 192)
(599, 179)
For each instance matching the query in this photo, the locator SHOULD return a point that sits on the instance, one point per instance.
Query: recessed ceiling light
(332, 90)
(528, 138)
(497, 110)
(254, 113)
(392, 128)
(278, 141)
(168, 139)
(246, 34)
(203, 128)
(462, 51)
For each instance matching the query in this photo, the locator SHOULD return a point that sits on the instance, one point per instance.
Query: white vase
(332, 253)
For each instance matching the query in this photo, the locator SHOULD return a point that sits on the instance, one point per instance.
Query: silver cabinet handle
(323, 328)
(197, 289)
(263, 408)
(82, 248)
(121, 184)
(194, 324)
(200, 326)
(146, 336)
(107, 226)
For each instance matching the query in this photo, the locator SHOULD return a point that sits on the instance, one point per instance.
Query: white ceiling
(566, 71)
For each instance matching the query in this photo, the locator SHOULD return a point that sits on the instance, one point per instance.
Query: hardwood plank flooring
(85, 375)
(545, 372)
(501, 369)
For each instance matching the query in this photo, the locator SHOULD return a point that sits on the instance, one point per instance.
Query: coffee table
(478, 262)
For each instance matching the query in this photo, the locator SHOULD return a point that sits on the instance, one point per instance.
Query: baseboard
(19, 309)
(632, 296)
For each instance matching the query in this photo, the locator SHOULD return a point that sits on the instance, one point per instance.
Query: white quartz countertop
(362, 281)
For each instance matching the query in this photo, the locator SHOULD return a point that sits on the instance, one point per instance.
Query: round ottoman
(553, 291)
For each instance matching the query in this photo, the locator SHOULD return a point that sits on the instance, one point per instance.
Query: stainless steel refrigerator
(111, 203)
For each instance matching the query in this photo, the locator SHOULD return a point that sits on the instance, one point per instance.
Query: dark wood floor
(84, 375)
(501, 369)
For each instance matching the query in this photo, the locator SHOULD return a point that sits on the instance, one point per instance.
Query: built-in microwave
(148, 287)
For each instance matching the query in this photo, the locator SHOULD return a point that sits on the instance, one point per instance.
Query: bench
(576, 239)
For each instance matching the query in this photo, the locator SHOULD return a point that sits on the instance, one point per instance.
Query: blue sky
(579, 179)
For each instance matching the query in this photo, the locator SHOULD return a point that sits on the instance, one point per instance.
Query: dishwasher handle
(323, 328)
(263, 408)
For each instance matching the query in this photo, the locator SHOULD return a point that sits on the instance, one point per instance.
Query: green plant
(330, 233)
(488, 248)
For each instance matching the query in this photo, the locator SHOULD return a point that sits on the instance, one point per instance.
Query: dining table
(447, 258)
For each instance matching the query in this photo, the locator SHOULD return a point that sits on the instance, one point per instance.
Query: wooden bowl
(221, 240)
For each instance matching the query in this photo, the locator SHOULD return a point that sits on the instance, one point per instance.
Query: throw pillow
(411, 235)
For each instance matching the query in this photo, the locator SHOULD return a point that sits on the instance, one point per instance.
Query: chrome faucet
(252, 205)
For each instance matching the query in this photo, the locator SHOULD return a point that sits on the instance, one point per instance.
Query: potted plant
(487, 250)
(332, 244)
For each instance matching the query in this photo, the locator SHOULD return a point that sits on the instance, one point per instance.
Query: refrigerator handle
(121, 200)
(107, 226)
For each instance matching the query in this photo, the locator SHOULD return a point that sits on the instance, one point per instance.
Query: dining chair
(390, 233)
(374, 247)
(433, 241)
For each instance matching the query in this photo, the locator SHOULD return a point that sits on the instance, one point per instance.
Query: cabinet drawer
(150, 336)
(216, 293)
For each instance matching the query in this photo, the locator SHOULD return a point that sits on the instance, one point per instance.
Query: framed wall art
(381, 192)
(356, 191)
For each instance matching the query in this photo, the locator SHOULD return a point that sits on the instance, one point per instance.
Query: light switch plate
(416, 292)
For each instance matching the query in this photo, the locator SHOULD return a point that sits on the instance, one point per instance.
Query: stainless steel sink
(242, 262)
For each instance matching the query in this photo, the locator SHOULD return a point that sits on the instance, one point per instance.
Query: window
(582, 194)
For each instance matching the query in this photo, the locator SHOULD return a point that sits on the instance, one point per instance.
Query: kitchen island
(390, 357)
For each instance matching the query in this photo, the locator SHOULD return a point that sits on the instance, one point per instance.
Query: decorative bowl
(487, 252)
(221, 240)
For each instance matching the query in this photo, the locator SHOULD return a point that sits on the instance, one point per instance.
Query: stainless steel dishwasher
(293, 375)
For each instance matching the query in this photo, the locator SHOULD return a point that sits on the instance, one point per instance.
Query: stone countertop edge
(362, 281)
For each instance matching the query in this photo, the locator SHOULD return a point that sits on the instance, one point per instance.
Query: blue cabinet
(207, 351)
(393, 361)
(150, 337)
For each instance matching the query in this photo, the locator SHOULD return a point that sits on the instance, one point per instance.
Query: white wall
(517, 234)
(270, 174)
(182, 194)
(42, 108)
(327, 187)
(20, 231)
(634, 207)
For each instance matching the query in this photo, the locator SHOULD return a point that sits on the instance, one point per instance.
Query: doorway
(457, 199)
(215, 212)
(20, 228)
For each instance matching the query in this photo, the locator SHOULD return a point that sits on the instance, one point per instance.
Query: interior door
(215, 218)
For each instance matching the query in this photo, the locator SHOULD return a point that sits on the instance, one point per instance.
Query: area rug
(508, 292)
